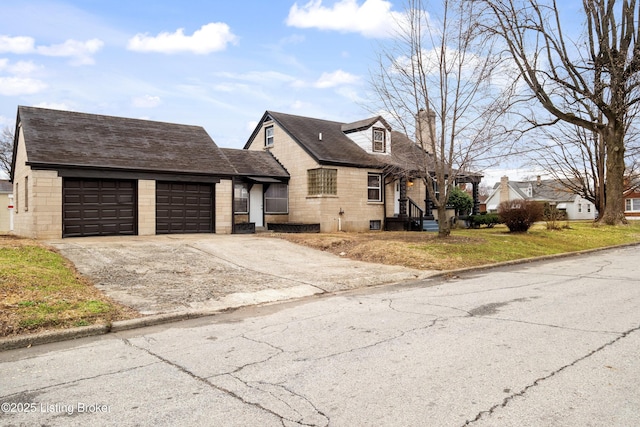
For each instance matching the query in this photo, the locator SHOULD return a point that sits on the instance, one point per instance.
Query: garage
(98, 207)
(184, 207)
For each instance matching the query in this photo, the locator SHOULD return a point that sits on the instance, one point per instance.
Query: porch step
(430, 225)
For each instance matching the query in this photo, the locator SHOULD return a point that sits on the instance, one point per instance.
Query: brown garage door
(184, 207)
(98, 207)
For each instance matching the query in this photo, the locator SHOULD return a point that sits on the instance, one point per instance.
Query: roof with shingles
(5, 186)
(335, 147)
(69, 139)
(255, 163)
(543, 190)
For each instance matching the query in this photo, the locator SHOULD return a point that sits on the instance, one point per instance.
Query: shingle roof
(69, 139)
(547, 190)
(336, 148)
(362, 124)
(5, 186)
(255, 163)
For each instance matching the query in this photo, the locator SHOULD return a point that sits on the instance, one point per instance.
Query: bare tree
(435, 82)
(6, 150)
(591, 82)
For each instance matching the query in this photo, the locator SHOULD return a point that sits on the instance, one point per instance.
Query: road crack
(540, 380)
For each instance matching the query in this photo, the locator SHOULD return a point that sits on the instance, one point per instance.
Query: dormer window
(268, 136)
(379, 140)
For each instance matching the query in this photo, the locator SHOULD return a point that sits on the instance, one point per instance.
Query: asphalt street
(553, 343)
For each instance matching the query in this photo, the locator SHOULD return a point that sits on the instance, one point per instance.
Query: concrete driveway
(172, 273)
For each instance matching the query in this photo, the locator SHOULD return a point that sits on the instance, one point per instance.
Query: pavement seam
(538, 381)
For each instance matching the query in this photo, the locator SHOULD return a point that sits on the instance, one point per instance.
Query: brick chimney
(504, 189)
(425, 128)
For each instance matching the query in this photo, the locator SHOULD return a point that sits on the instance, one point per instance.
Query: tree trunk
(444, 226)
(614, 204)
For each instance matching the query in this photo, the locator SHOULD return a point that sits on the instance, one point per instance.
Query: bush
(488, 219)
(519, 215)
(460, 200)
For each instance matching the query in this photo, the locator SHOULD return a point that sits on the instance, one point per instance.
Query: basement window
(375, 224)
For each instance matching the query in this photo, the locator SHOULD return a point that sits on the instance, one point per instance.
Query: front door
(256, 200)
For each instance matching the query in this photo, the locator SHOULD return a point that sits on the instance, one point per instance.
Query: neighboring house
(78, 174)
(548, 191)
(632, 203)
(6, 200)
(346, 176)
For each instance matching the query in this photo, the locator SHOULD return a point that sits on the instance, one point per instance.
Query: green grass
(489, 245)
(39, 290)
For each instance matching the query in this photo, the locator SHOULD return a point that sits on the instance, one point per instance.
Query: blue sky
(216, 64)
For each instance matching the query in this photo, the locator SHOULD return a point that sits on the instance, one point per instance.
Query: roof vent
(320, 136)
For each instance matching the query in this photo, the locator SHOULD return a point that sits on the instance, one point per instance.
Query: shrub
(519, 215)
(460, 200)
(488, 219)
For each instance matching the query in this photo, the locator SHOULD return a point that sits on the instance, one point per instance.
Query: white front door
(256, 200)
(396, 199)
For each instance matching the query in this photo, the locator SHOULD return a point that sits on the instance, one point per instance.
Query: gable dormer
(372, 135)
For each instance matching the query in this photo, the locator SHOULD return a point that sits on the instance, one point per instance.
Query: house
(347, 176)
(548, 191)
(77, 174)
(632, 202)
(6, 203)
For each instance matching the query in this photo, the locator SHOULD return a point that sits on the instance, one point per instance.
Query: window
(17, 207)
(276, 199)
(588, 207)
(632, 205)
(379, 140)
(268, 136)
(26, 193)
(374, 187)
(375, 224)
(579, 207)
(322, 182)
(241, 198)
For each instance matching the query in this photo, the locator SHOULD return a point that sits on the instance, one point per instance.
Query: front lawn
(40, 290)
(467, 247)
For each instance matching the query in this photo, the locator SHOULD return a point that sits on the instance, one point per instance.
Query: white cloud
(209, 38)
(17, 45)
(20, 67)
(337, 78)
(146, 101)
(373, 18)
(11, 86)
(79, 52)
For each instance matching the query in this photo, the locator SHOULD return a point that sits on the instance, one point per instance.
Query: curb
(48, 337)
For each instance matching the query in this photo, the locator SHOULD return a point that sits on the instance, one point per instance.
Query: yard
(41, 290)
(467, 247)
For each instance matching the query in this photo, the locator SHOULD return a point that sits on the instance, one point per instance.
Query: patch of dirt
(391, 248)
